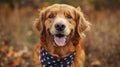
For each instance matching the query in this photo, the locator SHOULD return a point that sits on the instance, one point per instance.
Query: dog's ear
(82, 23)
(38, 23)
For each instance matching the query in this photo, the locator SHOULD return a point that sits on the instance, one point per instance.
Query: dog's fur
(75, 24)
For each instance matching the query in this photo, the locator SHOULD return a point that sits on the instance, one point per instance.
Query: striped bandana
(48, 60)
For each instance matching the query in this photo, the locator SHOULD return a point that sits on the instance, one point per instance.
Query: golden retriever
(61, 28)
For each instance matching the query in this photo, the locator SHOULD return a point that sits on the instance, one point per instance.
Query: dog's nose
(60, 27)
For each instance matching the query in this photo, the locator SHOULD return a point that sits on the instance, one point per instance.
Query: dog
(61, 28)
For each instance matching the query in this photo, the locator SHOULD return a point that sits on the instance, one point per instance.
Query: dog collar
(48, 60)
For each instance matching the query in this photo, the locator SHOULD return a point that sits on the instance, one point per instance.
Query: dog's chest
(48, 60)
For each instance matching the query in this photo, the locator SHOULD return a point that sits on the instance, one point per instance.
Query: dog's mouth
(60, 39)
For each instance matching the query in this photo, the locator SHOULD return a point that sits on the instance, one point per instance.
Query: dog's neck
(51, 61)
(56, 50)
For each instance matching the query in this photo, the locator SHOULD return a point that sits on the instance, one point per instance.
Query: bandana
(48, 60)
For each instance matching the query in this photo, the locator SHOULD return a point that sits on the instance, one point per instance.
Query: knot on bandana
(48, 60)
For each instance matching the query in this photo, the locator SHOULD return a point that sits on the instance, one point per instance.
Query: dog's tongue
(60, 41)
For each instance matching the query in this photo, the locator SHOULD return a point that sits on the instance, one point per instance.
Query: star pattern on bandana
(48, 60)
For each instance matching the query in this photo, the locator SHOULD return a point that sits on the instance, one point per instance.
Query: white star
(65, 58)
(51, 57)
(48, 58)
(46, 53)
(43, 54)
(51, 66)
(70, 56)
(53, 61)
(61, 65)
(68, 62)
(74, 53)
(67, 65)
(58, 59)
(49, 63)
(42, 49)
(44, 59)
(43, 65)
(41, 60)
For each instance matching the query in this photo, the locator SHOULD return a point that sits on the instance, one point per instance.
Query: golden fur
(77, 24)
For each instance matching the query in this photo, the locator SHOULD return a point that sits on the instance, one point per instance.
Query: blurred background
(18, 38)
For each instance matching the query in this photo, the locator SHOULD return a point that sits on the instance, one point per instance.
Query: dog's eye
(69, 16)
(51, 16)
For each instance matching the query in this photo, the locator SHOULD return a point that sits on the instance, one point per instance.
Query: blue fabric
(48, 60)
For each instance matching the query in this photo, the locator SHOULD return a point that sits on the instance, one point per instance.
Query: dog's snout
(60, 27)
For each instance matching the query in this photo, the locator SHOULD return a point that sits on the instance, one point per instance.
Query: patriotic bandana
(48, 60)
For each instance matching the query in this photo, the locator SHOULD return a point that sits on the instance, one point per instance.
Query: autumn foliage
(18, 38)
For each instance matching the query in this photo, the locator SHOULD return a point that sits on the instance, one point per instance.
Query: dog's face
(61, 22)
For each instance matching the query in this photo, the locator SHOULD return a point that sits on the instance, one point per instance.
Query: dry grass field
(18, 38)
